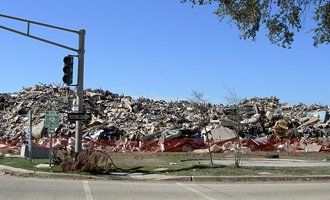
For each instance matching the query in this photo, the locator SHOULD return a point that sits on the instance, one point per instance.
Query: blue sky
(159, 49)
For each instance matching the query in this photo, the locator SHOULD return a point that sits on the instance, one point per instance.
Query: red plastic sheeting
(170, 145)
(177, 145)
(9, 145)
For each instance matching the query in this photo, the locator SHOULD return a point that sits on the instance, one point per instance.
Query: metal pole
(80, 88)
(50, 149)
(38, 23)
(30, 136)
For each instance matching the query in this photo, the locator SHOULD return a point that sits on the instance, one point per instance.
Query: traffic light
(68, 70)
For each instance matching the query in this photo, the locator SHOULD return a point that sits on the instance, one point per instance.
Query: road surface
(17, 188)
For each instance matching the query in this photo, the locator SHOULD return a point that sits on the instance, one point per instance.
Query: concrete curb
(6, 170)
(234, 179)
(259, 178)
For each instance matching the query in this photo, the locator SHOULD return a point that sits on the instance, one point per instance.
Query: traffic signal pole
(27, 34)
(81, 55)
(80, 89)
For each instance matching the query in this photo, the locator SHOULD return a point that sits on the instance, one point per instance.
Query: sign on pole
(52, 121)
(79, 116)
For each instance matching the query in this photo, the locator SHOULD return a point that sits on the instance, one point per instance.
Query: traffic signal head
(68, 70)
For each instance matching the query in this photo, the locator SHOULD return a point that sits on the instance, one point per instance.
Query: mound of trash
(122, 124)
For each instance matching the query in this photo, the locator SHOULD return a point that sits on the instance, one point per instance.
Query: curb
(239, 179)
(7, 170)
(259, 178)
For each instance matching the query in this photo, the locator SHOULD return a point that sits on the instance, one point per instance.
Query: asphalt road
(14, 188)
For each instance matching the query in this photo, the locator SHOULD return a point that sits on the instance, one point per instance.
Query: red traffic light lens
(68, 60)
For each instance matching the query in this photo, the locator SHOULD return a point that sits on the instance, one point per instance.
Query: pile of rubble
(120, 123)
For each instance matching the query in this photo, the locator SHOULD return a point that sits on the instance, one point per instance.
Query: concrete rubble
(123, 124)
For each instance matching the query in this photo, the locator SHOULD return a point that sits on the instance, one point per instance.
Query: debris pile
(123, 124)
(94, 162)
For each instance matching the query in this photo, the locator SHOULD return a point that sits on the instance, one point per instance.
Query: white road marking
(87, 191)
(196, 191)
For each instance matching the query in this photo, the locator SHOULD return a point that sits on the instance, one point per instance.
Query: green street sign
(51, 132)
(52, 120)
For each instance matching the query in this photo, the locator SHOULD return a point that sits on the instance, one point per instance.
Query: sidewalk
(251, 162)
(6, 170)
